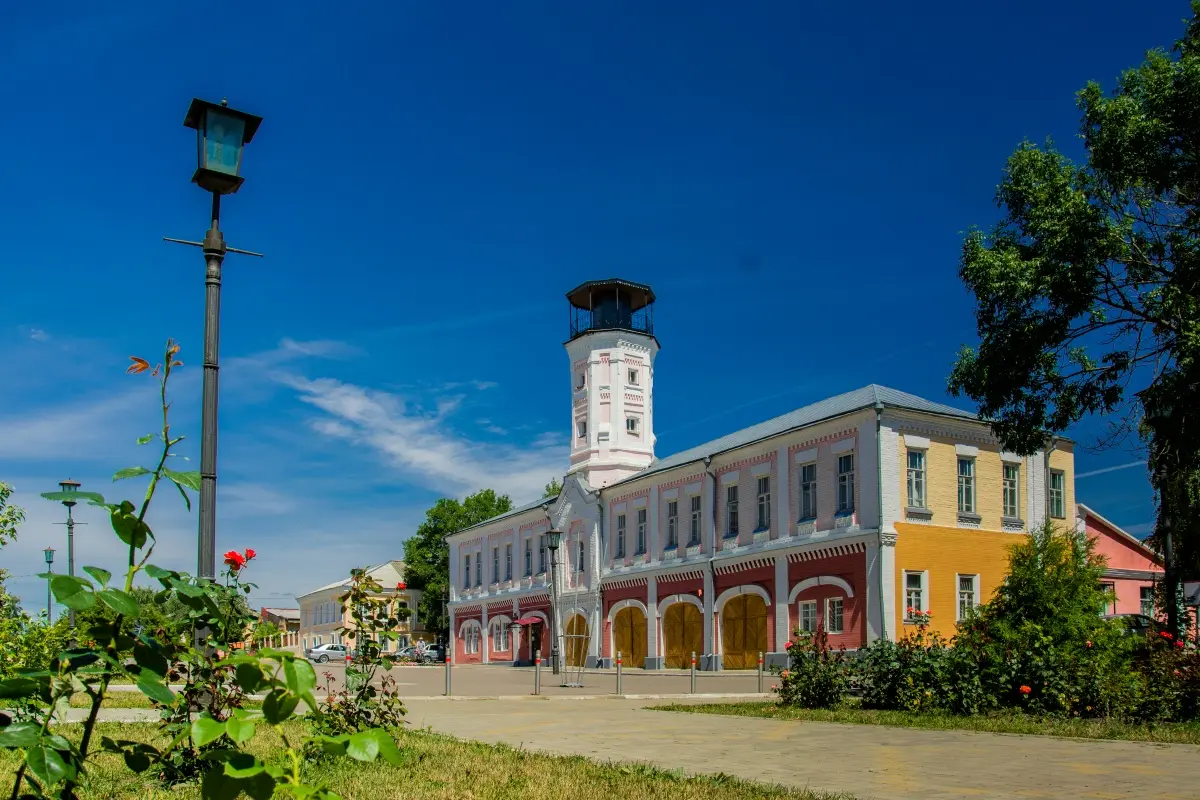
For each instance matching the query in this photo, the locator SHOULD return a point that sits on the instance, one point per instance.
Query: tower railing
(610, 318)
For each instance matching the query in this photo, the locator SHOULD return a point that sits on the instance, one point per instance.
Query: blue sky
(792, 178)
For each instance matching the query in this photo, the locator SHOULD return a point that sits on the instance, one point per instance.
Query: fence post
(619, 672)
(693, 672)
(760, 672)
(449, 660)
(537, 674)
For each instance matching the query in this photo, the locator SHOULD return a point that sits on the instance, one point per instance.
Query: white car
(324, 653)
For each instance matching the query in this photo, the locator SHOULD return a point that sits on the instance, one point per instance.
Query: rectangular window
(631, 425)
(808, 616)
(1058, 488)
(1110, 597)
(914, 593)
(834, 607)
(968, 595)
(500, 637)
(582, 428)
(764, 503)
(528, 557)
(1012, 491)
(542, 554)
(620, 535)
(966, 485)
(845, 484)
(916, 479)
(581, 381)
(808, 491)
(633, 377)
(479, 568)
(495, 565)
(694, 533)
(672, 524)
(731, 511)
(1147, 597)
(466, 571)
(508, 562)
(641, 531)
(582, 560)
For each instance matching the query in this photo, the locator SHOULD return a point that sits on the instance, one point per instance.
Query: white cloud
(424, 445)
(1103, 470)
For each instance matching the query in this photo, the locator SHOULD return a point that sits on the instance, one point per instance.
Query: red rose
(1089, 644)
(789, 645)
(1179, 642)
(250, 554)
(1025, 690)
(1165, 634)
(235, 560)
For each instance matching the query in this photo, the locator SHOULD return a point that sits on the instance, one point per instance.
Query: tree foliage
(1088, 289)
(553, 489)
(427, 556)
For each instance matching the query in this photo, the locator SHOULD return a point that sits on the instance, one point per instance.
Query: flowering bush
(817, 676)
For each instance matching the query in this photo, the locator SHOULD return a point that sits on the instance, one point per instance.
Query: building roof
(1087, 511)
(282, 613)
(836, 406)
(389, 573)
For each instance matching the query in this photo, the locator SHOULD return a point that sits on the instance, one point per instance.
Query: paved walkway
(866, 761)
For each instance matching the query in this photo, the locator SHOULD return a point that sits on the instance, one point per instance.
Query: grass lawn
(118, 700)
(438, 766)
(1170, 732)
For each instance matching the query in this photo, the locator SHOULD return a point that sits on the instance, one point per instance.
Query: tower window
(581, 427)
(633, 377)
(631, 425)
(581, 380)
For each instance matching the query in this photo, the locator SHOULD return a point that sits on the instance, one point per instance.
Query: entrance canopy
(530, 621)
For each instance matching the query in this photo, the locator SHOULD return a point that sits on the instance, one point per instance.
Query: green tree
(1088, 289)
(553, 488)
(10, 516)
(427, 556)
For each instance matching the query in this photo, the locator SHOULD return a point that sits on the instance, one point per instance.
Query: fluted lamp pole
(553, 542)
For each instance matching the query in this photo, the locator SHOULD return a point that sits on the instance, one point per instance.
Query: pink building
(1132, 569)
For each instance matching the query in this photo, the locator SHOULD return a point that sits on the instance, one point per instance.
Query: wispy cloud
(1103, 470)
(424, 444)
(36, 334)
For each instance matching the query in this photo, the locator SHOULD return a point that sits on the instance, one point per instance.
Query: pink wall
(850, 568)
(1121, 553)
(826, 478)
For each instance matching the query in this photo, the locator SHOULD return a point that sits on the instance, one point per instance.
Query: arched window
(471, 636)
(499, 636)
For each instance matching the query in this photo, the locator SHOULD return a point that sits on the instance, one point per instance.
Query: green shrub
(920, 672)
(817, 676)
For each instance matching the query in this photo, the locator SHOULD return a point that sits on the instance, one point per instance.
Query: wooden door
(629, 636)
(576, 641)
(743, 631)
(683, 634)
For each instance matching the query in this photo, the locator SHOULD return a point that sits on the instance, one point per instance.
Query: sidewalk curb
(508, 697)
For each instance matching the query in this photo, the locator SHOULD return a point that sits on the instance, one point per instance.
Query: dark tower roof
(612, 304)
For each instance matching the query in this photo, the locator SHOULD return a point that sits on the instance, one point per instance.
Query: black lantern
(69, 487)
(221, 134)
(553, 539)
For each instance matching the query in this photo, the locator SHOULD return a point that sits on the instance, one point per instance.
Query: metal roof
(642, 294)
(836, 406)
(515, 512)
(387, 573)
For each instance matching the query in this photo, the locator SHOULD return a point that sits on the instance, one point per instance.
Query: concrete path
(864, 760)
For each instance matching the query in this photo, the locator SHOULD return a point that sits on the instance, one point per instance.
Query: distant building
(287, 620)
(1133, 568)
(321, 613)
(840, 515)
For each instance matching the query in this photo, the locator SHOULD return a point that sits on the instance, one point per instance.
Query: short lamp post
(553, 542)
(221, 135)
(49, 553)
(69, 488)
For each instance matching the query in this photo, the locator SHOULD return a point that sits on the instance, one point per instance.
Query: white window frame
(499, 637)
(924, 607)
(845, 483)
(632, 426)
(582, 560)
(1142, 600)
(958, 594)
(808, 492)
(806, 608)
(1012, 489)
(541, 554)
(619, 550)
(581, 428)
(479, 568)
(695, 524)
(829, 605)
(967, 502)
(528, 557)
(496, 564)
(632, 373)
(1110, 588)
(1056, 499)
(641, 532)
(508, 562)
(467, 571)
(764, 503)
(732, 520)
(916, 479)
(672, 524)
(582, 380)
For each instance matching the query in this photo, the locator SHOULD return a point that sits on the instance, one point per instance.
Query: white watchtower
(612, 349)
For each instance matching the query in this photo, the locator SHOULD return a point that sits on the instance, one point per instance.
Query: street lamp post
(69, 488)
(49, 553)
(553, 541)
(221, 135)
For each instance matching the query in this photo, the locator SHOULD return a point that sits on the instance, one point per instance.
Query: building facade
(839, 515)
(1131, 568)
(322, 614)
(287, 620)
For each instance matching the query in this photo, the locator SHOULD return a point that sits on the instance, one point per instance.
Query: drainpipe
(879, 532)
(712, 550)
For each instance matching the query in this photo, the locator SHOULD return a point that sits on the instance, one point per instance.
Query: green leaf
(93, 498)
(145, 439)
(149, 658)
(47, 764)
(130, 472)
(219, 786)
(156, 572)
(155, 690)
(128, 527)
(17, 687)
(248, 771)
(190, 480)
(20, 734)
(120, 602)
(239, 730)
(299, 675)
(76, 593)
(259, 787)
(248, 676)
(279, 705)
(137, 761)
(187, 501)
(205, 729)
(387, 747)
(363, 746)
(101, 575)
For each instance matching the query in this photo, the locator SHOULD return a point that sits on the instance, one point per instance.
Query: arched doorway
(683, 634)
(575, 644)
(629, 636)
(743, 631)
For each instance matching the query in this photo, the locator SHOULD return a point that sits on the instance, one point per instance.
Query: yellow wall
(1063, 458)
(946, 553)
(941, 478)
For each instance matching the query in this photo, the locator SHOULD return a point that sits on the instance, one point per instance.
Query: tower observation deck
(612, 304)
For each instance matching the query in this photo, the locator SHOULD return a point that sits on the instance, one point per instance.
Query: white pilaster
(782, 634)
(887, 568)
(487, 644)
(783, 493)
(652, 619)
(652, 546)
(889, 446)
(708, 612)
(873, 596)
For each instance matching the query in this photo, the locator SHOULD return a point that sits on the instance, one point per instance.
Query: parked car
(1138, 624)
(325, 653)
(434, 654)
